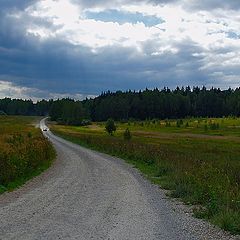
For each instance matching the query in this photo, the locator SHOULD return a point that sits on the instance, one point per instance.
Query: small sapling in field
(127, 135)
(110, 126)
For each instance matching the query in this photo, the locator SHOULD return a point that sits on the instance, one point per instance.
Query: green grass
(24, 151)
(202, 167)
(227, 126)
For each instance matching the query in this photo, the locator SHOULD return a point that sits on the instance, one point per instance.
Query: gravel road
(89, 195)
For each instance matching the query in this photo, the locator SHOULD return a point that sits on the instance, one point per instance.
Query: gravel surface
(90, 195)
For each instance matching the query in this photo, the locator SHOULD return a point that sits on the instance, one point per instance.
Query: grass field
(24, 152)
(198, 159)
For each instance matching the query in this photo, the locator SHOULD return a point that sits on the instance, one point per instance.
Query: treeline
(65, 111)
(147, 104)
(10, 106)
(165, 103)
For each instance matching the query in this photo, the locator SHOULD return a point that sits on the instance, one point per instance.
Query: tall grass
(24, 151)
(201, 171)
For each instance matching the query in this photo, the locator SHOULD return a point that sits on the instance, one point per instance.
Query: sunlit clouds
(84, 47)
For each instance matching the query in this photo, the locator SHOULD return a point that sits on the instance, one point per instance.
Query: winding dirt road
(89, 195)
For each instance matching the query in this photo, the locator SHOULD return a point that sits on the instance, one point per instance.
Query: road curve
(89, 195)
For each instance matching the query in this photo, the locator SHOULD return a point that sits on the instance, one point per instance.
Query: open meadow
(24, 151)
(197, 159)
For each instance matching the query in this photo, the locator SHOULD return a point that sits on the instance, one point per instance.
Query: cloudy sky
(79, 48)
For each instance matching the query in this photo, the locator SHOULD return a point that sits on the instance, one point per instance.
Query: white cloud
(9, 90)
(188, 43)
(87, 32)
(60, 12)
(209, 30)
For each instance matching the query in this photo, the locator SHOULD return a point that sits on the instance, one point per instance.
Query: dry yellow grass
(24, 151)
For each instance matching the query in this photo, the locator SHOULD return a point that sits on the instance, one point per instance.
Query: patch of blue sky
(123, 17)
(233, 35)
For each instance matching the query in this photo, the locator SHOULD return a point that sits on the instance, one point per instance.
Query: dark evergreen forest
(147, 104)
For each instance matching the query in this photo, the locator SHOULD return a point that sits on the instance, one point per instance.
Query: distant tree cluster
(16, 107)
(10, 106)
(165, 103)
(67, 111)
(147, 104)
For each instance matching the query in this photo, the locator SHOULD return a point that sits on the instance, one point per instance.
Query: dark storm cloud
(62, 67)
(57, 66)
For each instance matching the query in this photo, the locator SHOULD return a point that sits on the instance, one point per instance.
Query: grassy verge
(201, 170)
(24, 151)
